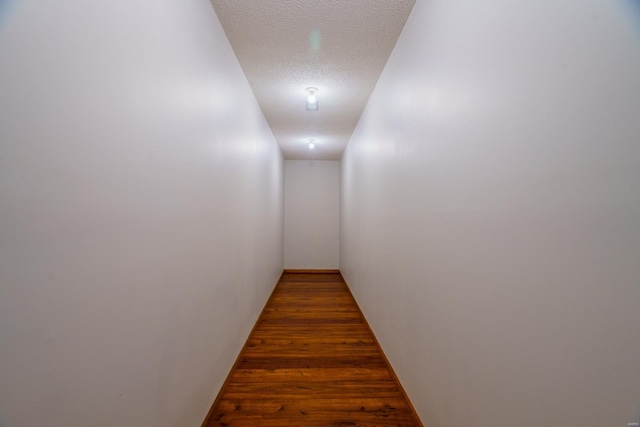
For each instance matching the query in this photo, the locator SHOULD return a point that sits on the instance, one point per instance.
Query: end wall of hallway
(312, 214)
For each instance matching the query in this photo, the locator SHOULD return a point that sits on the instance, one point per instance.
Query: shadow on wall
(632, 10)
(6, 7)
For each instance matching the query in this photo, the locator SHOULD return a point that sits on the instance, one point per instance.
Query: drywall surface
(141, 212)
(311, 214)
(491, 213)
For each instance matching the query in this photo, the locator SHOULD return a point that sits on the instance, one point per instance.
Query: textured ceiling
(337, 46)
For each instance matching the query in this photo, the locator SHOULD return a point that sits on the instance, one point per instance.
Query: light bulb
(312, 100)
(312, 94)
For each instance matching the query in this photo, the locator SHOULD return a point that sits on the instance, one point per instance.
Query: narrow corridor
(311, 360)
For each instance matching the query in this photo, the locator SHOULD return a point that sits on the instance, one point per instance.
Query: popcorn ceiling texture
(338, 46)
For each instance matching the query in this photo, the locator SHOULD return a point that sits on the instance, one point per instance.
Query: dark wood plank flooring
(311, 360)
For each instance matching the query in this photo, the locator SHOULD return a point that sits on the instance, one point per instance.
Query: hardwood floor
(311, 360)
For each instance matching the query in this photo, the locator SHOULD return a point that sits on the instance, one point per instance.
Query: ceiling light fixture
(311, 91)
(312, 143)
(312, 99)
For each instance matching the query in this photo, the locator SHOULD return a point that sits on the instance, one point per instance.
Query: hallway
(311, 360)
(471, 167)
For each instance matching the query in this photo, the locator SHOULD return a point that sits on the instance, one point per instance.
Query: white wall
(491, 213)
(141, 206)
(312, 214)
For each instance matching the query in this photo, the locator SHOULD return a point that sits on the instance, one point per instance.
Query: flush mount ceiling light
(311, 92)
(312, 143)
(312, 99)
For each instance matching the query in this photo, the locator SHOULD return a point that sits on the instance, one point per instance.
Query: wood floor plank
(311, 360)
